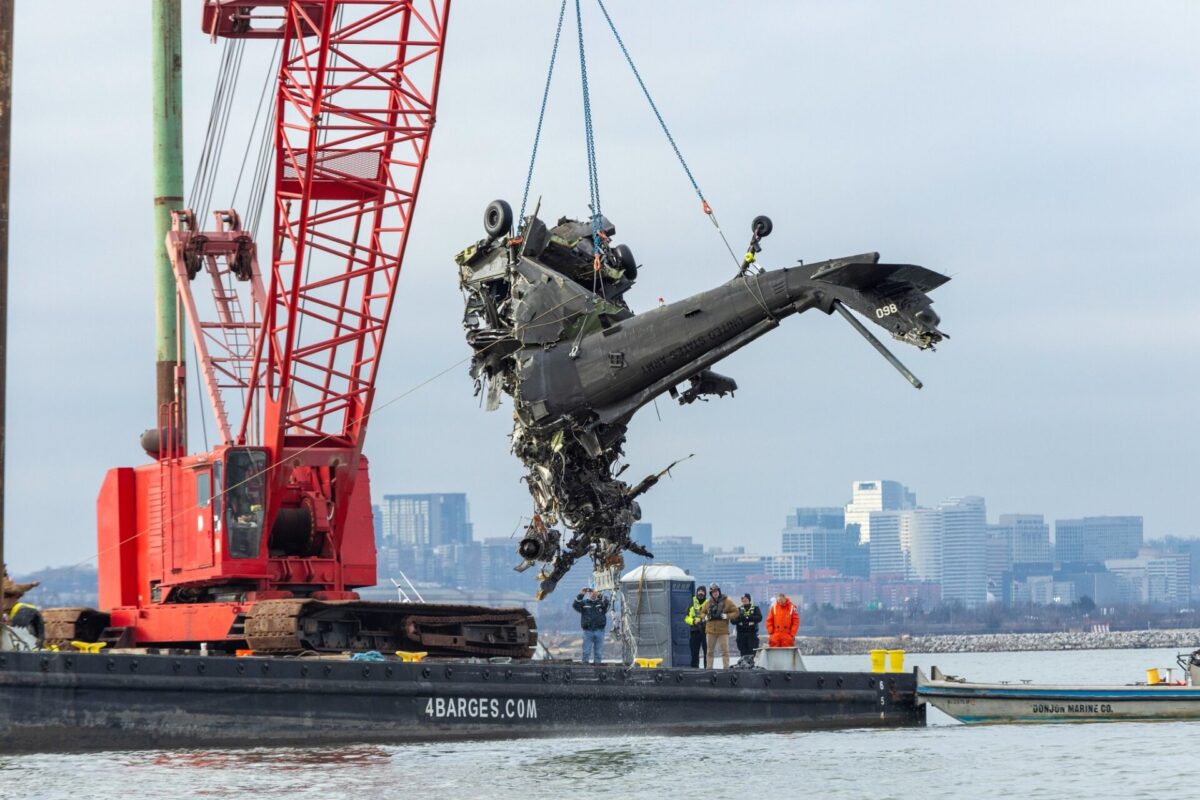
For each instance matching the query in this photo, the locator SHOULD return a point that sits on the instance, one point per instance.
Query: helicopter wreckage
(547, 319)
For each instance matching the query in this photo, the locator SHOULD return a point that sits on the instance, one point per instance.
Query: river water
(944, 760)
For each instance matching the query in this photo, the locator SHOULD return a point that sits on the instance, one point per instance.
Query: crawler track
(289, 626)
(66, 625)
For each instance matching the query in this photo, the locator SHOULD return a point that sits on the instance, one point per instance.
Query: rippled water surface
(944, 760)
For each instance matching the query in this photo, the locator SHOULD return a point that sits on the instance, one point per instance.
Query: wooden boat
(1158, 698)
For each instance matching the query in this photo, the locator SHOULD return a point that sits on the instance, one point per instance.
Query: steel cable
(218, 127)
(254, 129)
(537, 137)
(593, 175)
(662, 123)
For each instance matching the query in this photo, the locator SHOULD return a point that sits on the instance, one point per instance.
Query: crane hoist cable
(218, 126)
(589, 132)
(537, 136)
(704, 205)
(589, 135)
(264, 104)
(213, 147)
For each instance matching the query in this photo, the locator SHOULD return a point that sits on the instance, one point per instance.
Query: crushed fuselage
(550, 327)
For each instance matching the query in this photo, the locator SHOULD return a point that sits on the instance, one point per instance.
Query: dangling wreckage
(547, 318)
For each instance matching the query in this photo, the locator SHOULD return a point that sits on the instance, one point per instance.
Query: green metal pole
(168, 193)
(6, 68)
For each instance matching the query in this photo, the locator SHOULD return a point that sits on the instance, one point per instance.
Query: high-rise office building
(1096, 539)
(858, 555)
(788, 566)
(731, 568)
(888, 557)
(998, 548)
(1189, 547)
(907, 545)
(425, 520)
(868, 497)
(922, 539)
(819, 539)
(826, 517)
(680, 551)
(458, 565)
(1169, 579)
(964, 550)
(1017, 539)
(1029, 538)
(1162, 579)
(642, 533)
(497, 557)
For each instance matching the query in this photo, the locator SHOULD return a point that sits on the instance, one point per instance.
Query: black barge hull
(70, 701)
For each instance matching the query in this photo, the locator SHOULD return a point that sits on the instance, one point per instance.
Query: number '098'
(885, 311)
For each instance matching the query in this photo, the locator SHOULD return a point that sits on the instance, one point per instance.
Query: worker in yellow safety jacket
(697, 639)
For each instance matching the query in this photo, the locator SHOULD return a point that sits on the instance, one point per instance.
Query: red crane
(262, 540)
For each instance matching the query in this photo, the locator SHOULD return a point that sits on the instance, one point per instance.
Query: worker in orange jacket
(783, 620)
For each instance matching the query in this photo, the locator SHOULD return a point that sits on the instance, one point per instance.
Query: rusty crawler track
(65, 625)
(290, 626)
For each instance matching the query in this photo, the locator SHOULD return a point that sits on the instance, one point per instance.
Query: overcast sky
(1044, 155)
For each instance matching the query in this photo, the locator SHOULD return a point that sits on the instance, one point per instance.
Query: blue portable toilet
(656, 599)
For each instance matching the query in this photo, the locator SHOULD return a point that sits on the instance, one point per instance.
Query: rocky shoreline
(1184, 639)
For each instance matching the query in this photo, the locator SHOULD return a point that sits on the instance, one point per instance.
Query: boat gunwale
(1051, 691)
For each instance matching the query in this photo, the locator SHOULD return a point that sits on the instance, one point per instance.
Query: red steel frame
(355, 111)
(357, 94)
(227, 345)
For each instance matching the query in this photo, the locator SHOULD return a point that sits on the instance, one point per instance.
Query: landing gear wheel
(625, 261)
(762, 226)
(497, 219)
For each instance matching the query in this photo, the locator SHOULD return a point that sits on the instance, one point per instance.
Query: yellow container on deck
(1153, 677)
(878, 660)
(895, 660)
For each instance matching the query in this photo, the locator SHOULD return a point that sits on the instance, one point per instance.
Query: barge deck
(59, 701)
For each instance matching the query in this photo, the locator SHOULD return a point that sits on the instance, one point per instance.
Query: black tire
(497, 219)
(625, 261)
(762, 226)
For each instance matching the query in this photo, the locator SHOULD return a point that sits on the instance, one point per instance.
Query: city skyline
(949, 551)
(788, 510)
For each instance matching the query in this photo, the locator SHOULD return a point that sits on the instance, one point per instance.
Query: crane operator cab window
(245, 501)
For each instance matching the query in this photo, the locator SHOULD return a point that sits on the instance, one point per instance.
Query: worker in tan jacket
(718, 611)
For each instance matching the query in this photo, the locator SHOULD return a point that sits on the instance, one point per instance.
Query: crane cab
(185, 546)
(172, 526)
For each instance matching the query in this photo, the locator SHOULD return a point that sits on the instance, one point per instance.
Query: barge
(60, 701)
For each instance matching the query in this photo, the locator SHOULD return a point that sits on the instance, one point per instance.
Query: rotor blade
(878, 345)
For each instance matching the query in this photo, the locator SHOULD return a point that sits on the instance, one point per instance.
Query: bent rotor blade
(878, 345)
